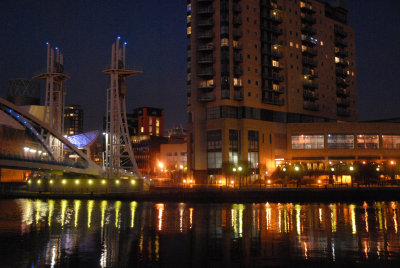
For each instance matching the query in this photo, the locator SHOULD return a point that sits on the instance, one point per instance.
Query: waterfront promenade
(337, 193)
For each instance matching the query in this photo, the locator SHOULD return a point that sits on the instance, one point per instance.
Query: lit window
(391, 141)
(237, 82)
(297, 45)
(224, 42)
(308, 141)
(340, 141)
(275, 63)
(291, 44)
(189, 30)
(142, 129)
(150, 121)
(150, 129)
(303, 48)
(189, 7)
(157, 122)
(189, 18)
(337, 60)
(367, 141)
(157, 131)
(322, 43)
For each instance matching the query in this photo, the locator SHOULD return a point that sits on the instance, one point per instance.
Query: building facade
(146, 121)
(256, 65)
(73, 120)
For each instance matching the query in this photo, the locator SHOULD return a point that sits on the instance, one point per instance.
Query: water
(95, 233)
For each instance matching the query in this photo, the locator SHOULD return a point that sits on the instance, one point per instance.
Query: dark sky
(156, 34)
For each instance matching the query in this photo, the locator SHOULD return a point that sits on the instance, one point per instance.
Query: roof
(83, 140)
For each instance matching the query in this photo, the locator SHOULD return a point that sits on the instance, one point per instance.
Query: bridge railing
(21, 157)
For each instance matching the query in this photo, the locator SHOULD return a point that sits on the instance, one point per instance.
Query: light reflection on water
(114, 233)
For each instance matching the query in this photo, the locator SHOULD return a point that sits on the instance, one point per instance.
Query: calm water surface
(92, 233)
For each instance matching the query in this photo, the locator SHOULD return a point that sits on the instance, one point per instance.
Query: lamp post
(240, 175)
(234, 171)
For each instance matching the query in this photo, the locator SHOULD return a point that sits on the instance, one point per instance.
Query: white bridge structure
(23, 145)
(119, 152)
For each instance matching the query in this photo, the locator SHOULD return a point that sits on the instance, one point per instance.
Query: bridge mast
(55, 98)
(119, 152)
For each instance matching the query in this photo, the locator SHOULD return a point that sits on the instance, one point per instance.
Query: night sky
(156, 34)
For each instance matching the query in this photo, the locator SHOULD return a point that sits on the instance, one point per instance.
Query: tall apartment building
(73, 120)
(255, 65)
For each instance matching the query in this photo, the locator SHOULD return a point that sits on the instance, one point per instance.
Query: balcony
(272, 41)
(206, 86)
(341, 92)
(310, 84)
(237, 21)
(309, 40)
(274, 77)
(306, 8)
(206, 98)
(273, 101)
(340, 42)
(272, 16)
(268, 63)
(341, 53)
(343, 103)
(342, 63)
(311, 106)
(205, 11)
(238, 95)
(238, 85)
(341, 72)
(276, 90)
(310, 72)
(343, 112)
(206, 35)
(307, 18)
(310, 52)
(273, 53)
(237, 46)
(238, 70)
(208, 47)
(206, 72)
(309, 95)
(309, 62)
(206, 23)
(270, 5)
(206, 60)
(225, 94)
(307, 29)
(237, 34)
(237, 57)
(237, 8)
(340, 32)
(272, 29)
(341, 82)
